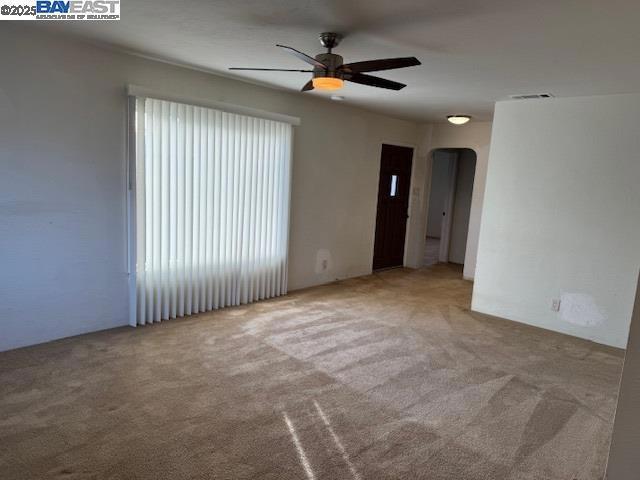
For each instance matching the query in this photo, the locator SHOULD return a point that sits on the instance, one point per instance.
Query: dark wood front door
(393, 203)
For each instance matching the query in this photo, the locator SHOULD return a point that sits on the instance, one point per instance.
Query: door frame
(410, 205)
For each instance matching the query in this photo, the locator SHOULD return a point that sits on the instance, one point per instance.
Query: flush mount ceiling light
(327, 83)
(458, 119)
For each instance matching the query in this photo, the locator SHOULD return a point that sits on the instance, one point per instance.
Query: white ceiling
(474, 52)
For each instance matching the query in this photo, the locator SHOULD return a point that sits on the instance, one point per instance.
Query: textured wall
(560, 218)
(462, 206)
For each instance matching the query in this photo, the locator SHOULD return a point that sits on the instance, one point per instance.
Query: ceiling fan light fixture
(328, 83)
(458, 119)
(331, 72)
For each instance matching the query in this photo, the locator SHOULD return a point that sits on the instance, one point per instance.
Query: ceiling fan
(329, 71)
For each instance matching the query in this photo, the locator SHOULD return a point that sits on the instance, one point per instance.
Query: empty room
(319, 240)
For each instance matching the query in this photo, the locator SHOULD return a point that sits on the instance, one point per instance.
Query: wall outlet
(325, 264)
(555, 304)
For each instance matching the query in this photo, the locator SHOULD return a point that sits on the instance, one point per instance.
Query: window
(394, 186)
(211, 209)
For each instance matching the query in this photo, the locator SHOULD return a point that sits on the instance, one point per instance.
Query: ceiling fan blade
(382, 64)
(375, 81)
(269, 69)
(307, 86)
(304, 57)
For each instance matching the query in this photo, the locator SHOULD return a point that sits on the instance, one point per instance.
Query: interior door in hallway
(393, 203)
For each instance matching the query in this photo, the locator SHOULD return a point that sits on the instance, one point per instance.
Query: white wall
(462, 206)
(474, 135)
(561, 216)
(62, 182)
(438, 193)
(624, 462)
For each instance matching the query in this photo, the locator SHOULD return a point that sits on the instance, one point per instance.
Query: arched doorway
(449, 207)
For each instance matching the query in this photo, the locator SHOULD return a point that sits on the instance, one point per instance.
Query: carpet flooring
(388, 376)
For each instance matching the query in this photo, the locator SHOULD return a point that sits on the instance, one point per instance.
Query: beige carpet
(383, 377)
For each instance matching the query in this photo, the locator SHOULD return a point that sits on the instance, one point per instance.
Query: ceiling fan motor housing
(332, 61)
(329, 40)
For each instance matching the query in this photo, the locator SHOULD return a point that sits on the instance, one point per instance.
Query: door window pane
(394, 185)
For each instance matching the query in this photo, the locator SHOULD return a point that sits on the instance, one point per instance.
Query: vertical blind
(211, 209)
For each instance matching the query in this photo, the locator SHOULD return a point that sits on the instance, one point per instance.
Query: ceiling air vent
(531, 96)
